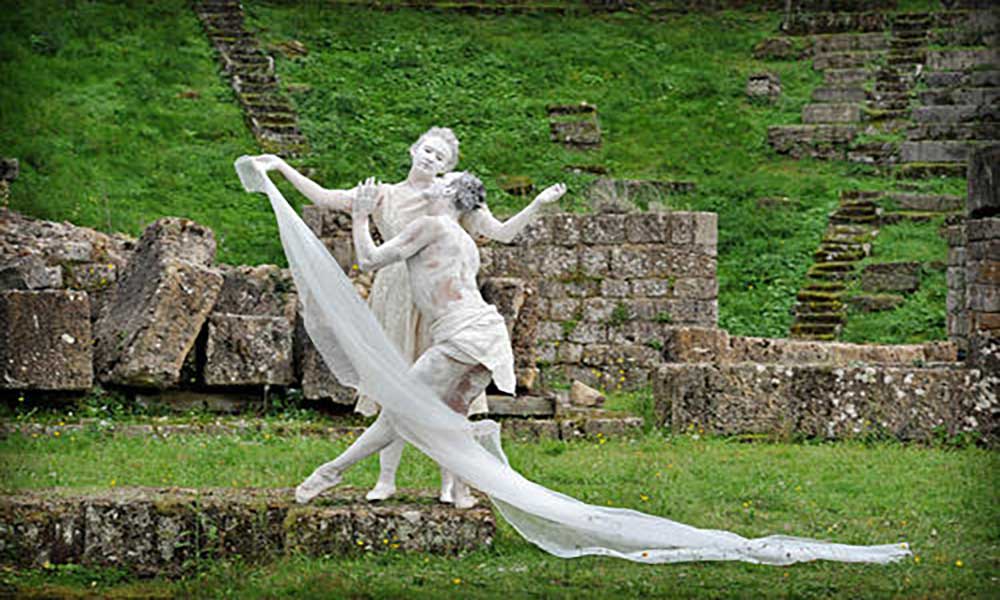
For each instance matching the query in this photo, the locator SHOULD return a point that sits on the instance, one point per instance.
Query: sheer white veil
(351, 342)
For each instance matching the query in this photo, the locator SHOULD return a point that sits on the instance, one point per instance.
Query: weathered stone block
(158, 306)
(603, 229)
(869, 303)
(983, 298)
(264, 290)
(823, 401)
(521, 406)
(318, 382)
(984, 183)
(45, 342)
(694, 344)
(831, 113)
(29, 273)
(564, 228)
(682, 228)
(982, 229)
(775, 48)
(961, 60)
(934, 151)
(699, 288)
(595, 261)
(246, 350)
(614, 288)
(647, 227)
(763, 86)
(507, 294)
(706, 230)
(554, 261)
(652, 288)
(588, 333)
(891, 277)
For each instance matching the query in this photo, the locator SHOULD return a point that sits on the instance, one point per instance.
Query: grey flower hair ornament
(447, 136)
(469, 191)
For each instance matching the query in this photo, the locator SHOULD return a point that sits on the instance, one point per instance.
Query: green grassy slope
(96, 109)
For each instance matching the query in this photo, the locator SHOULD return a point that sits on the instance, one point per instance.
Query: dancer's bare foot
(381, 491)
(314, 485)
(447, 487)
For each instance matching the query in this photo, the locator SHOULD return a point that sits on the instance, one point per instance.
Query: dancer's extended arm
(335, 199)
(412, 239)
(482, 220)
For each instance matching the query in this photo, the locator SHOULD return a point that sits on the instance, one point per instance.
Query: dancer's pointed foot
(314, 485)
(465, 500)
(381, 491)
(447, 487)
(463, 496)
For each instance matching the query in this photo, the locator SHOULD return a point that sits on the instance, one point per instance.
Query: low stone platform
(166, 531)
(830, 401)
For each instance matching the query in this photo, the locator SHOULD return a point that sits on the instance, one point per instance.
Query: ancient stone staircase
(929, 78)
(821, 312)
(266, 109)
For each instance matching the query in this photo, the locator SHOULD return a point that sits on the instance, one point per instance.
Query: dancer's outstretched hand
(268, 162)
(366, 197)
(551, 193)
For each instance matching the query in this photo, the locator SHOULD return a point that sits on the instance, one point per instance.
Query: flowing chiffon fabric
(349, 338)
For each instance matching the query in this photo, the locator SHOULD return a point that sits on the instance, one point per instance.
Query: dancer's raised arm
(335, 199)
(410, 240)
(483, 222)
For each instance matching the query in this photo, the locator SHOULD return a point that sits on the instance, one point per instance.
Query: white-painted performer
(469, 344)
(433, 156)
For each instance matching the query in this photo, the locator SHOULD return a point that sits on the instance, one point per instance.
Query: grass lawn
(119, 116)
(943, 501)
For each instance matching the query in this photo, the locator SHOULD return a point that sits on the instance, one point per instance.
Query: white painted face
(431, 155)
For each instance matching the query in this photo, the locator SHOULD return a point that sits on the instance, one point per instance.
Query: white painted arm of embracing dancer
(410, 240)
(483, 222)
(335, 199)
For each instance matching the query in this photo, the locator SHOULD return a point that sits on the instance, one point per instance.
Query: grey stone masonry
(984, 182)
(826, 401)
(831, 113)
(46, 340)
(609, 284)
(164, 531)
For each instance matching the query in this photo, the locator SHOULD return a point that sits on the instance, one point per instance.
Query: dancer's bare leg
(389, 459)
(465, 390)
(379, 435)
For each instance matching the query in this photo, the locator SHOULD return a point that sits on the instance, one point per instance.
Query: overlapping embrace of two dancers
(427, 345)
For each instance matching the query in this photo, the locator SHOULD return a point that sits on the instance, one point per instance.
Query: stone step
(906, 59)
(838, 255)
(166, 531)
(846, 42)
(822, 270)
(930, 170)
(846, 77)
(937, 203)
(850, 195)
(814, 331)
(964, 37)
(962, 60)
(936, 151)
(948, 96)
(820, 318)
(825, 286)
(819, 141)
(895, 217)
(845, 60)
(834, 22)
(831, 113)
(839, 94)
(521, 406)
(958, 113)
(988, 130)
(951, 79)
(819, 295)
